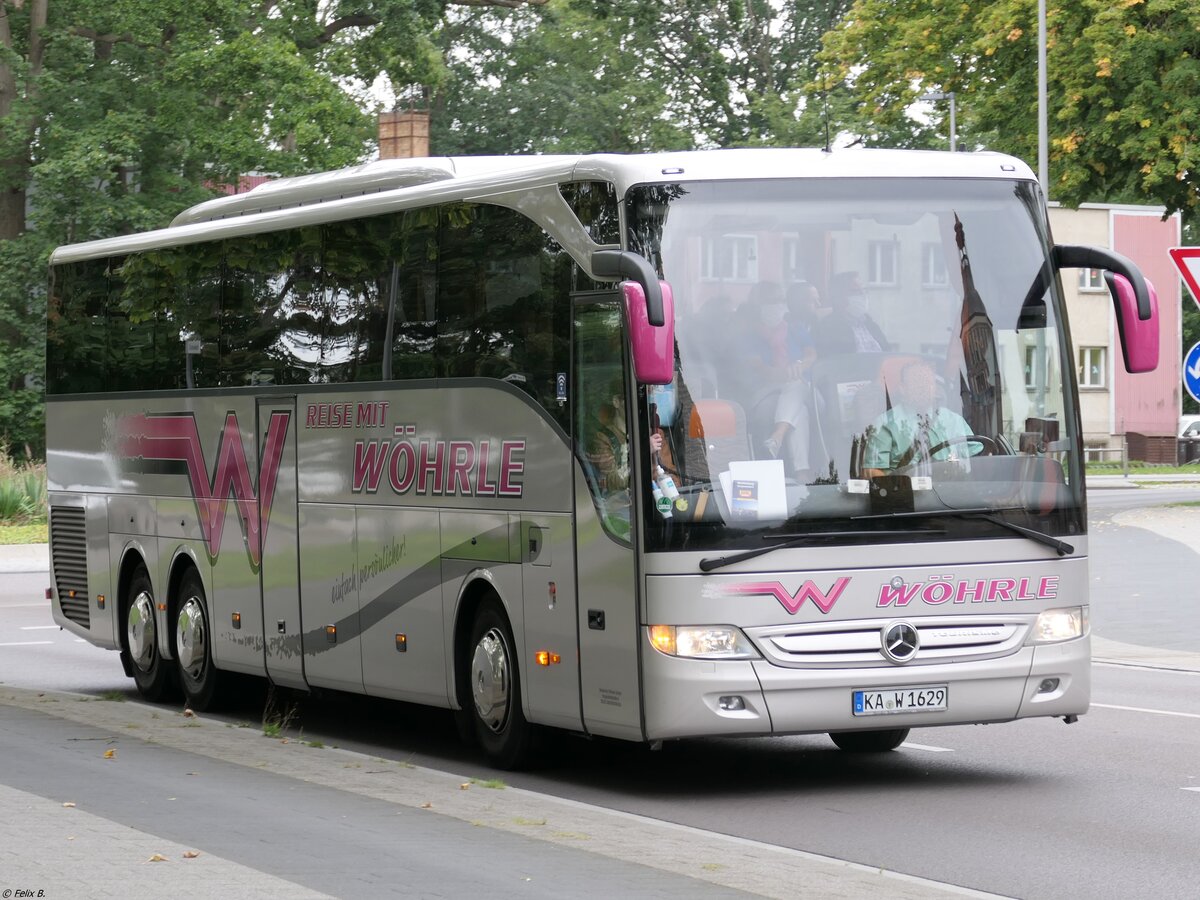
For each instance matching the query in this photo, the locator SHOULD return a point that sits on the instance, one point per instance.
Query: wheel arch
(478, 587)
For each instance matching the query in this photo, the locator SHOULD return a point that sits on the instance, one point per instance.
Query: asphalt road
(1108, 807)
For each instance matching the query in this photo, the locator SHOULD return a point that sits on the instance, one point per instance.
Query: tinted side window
(595, 205)
(76, 336)
(413, 316)
(503, 302)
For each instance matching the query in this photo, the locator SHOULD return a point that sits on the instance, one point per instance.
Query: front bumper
(684, 697)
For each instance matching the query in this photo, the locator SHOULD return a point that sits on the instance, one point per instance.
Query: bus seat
(716, 436)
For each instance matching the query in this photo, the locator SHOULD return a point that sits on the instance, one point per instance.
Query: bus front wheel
(151, 673)
(495, 689)
(193, 644)
(869, 741)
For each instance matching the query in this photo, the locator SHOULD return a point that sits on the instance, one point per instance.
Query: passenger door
(605, 524)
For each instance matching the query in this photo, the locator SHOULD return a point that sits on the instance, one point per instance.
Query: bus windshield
(858, 360)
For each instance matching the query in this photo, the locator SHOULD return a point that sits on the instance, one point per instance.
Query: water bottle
(661, 502)
(666, 484)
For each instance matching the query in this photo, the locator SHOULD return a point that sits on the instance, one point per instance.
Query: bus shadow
(426, 736)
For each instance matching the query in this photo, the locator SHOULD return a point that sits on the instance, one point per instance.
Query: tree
(115, 115)
(623, 75)
(1124, 86)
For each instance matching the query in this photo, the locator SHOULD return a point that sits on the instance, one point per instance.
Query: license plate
(888, 701)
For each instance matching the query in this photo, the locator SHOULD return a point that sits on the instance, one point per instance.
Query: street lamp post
(946, 95)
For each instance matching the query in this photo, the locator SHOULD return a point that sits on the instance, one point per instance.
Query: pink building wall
(1149, 403)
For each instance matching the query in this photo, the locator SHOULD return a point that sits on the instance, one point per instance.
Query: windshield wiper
(795, 540)
(987, 514)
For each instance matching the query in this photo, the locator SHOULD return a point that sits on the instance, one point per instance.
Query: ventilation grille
(68, 554)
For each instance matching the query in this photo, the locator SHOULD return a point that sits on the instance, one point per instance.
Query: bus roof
(390, 185)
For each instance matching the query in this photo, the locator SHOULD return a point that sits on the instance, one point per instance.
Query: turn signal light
(546, 658)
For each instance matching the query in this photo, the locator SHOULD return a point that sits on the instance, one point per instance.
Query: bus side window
(503, 302)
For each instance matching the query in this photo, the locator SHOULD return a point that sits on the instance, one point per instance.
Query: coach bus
(740, 442)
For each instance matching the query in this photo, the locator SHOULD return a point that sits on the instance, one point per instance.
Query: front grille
(68, 554)
(943, 639)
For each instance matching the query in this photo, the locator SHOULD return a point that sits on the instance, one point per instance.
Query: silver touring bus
(740, 442)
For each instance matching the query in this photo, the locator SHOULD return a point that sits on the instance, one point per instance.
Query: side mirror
(1139, 336)
(1134, 298)
(652, 347)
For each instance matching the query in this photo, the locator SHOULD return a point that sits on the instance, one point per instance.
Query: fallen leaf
(157, 857)
(465, 786)
(426, 805)
(190, 854)
(69, 805)
(188, 714)
(110, 754)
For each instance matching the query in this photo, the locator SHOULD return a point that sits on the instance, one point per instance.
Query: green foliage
(1124, 86)
(628, 76)
(22, 492)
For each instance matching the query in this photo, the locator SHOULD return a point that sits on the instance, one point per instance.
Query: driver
(915, 426)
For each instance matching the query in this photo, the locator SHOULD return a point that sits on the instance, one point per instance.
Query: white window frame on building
(882, 263)
(793, 266)
(933, 266)
(1091, 281)
(1092, 367)
(1030, 366)
(729, 257)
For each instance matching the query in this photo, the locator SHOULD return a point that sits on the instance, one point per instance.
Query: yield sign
(1187, 261)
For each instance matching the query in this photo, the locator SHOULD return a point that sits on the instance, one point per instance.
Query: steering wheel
(991, 447)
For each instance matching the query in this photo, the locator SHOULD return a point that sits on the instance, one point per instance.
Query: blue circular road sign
(1191, 372)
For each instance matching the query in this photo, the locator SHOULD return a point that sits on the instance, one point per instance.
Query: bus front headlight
(702, 641)
(1060, 625)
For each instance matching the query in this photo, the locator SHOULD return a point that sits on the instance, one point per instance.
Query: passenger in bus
(849, 328)
(907, 434)
(805, 309)
(775, 362)
(608, 448)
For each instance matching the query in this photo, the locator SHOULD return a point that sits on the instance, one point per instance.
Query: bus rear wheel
(151, 673)
(193, 644)
(869, 741)
(494, 684)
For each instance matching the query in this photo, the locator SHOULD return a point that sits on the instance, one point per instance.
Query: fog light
(731, 704)
(1048, 685)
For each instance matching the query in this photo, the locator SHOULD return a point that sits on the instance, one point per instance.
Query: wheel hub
(490, 680)
(140, 630)
(192, 639)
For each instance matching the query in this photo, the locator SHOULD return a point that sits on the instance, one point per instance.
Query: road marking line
(1157, 712)
(1191, 789)
(38, 627)
(911, 746)
(25, 643)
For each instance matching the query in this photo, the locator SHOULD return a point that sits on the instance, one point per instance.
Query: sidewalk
(1106, 482)
(329, 821)
(24, 558)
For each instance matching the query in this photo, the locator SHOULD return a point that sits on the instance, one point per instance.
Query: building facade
(1116, 407)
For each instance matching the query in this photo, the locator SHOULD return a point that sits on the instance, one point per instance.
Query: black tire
(493, 690)
(869, 741)
(154, 676)
(192, 635)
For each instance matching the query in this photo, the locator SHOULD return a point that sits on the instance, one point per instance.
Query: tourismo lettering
(823, 600)
(439, 468)
(937, 591)
(175, 438)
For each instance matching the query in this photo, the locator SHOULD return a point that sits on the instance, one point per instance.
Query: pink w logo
(174, 438)
(823, 600)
